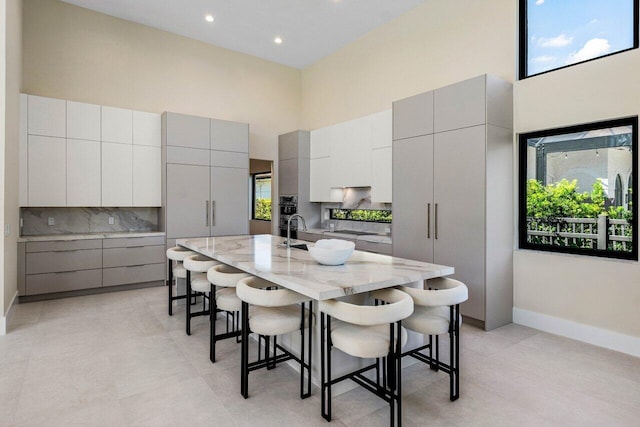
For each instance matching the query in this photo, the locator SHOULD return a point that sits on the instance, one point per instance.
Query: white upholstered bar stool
(224, 299)
(197, 284)
(176, 255)
(437, 312)
(274, 311)
(368, 332)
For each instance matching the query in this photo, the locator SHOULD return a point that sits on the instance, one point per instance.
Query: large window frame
(523, 51)
(522, 187)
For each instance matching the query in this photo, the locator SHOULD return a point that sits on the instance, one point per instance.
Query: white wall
(10, 100)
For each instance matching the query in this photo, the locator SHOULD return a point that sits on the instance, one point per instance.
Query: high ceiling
(310, 29)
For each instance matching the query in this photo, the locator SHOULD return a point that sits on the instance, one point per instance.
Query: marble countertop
(67, 237)
(375, 238)
(265, 256)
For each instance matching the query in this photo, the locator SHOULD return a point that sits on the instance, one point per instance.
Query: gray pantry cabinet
(205, 177)
(453, 189)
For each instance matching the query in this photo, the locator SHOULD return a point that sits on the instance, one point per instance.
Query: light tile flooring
(118, 359)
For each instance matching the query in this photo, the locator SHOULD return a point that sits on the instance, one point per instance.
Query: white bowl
(332, 251)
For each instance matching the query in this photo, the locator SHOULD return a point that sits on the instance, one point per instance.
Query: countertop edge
(89, 236)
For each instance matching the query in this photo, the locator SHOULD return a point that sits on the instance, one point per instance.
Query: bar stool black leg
(244, 368)
(170, 284)
(188, 310)
(213, 313)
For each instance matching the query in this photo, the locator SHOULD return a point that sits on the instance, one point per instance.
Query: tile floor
(117, 360)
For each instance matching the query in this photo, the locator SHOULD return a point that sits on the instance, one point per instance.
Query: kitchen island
(267, 257)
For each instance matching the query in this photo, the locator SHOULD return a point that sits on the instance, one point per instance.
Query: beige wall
(593, 291)
(441, 42)
(77, 54)
(11, 134)
(437, 43)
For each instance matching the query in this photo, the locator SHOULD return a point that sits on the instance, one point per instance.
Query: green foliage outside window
(263, 209)
(361, 215)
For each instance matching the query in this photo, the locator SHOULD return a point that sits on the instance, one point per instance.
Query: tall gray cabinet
(205, 177)
(453, 188)
(294, 173)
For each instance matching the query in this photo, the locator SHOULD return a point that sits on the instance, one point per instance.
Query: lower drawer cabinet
(60, 282)
(132, 274)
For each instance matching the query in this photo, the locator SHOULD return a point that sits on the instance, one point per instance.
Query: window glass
(572, 191)
(559, 33)
(262, 196)
(366, 215)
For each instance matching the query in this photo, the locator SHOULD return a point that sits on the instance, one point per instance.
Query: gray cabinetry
(413, 116)
(49, 267)
(453, 190)
(205, 177)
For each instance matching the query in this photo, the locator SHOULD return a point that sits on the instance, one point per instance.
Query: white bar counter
(266, 256)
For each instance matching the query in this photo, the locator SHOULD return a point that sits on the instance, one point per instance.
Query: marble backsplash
(35, 221)
(355, 198)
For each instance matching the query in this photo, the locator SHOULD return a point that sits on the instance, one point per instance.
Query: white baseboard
(590, 334)
(4, 320)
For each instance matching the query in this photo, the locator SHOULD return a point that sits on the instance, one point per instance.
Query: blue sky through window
(564, 32)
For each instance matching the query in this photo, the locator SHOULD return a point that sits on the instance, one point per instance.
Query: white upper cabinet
(117, 125)
(413, 116)
(321, 142)
(83, 121)
(381, 177)
(47, 116)
(83, 173)
(117, 174)
(146, 176)
(381, 130)
(460, 105)
(351, 153)
(47, 171)
(146, 129)
(23, 177)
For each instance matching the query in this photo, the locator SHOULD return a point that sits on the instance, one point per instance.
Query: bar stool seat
(274, 311)
(225, 277)
(197, 283)
(176, 255)
(437, 312)
(363, 341)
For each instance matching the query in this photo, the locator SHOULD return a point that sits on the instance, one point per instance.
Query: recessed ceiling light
(208, 17)
(277, 40)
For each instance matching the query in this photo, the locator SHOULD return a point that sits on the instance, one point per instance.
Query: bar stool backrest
(254, 290)
(399, 305)
(443, 291)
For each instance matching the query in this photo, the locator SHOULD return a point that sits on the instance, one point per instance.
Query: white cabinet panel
(83, 121)
(146, 176)
(460, 105)
(47, 116)
(47, 171)
(320, 187)
(117, 125)
(321, 142)
(413, 116)
(23, 177)
(117, 174)
(381, 175)
(83, 173)
(187, 201)
(381, 129)
(146, 128)
(351, 153)
(229, 136)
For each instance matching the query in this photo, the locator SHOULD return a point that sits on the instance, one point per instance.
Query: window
(261, 196)
(557, 34)
(571, 189)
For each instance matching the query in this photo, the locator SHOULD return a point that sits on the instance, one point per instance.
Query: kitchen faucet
(304, 225)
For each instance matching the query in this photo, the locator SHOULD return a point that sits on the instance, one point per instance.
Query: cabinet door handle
(436, 222)
(206, 213)
(428, 220)
(213, 213)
